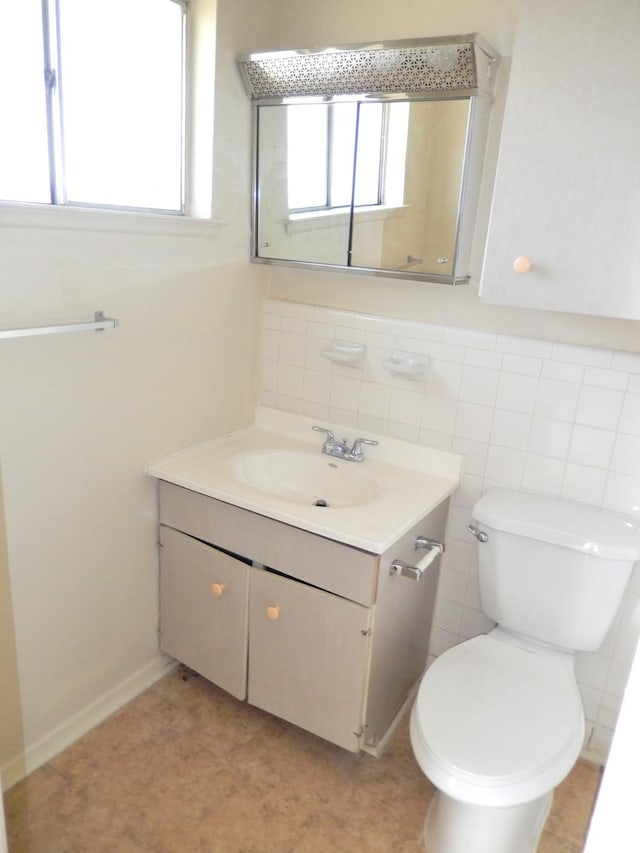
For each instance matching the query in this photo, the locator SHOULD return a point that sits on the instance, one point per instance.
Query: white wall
(306, 23)
(81, 415)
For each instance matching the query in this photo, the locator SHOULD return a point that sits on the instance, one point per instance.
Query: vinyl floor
(184, 767)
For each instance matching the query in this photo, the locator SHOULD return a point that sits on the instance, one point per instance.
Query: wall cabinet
(567, 192)
(314, 631)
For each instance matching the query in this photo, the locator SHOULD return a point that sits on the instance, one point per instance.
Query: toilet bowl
(498, 721)
(495, 727)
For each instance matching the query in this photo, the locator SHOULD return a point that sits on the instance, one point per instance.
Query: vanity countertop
(403, 481)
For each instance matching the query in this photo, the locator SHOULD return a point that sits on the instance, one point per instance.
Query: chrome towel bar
(99, 324)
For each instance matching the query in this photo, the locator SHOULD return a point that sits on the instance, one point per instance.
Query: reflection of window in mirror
(321, 148)
(409, 162)
(368, 157)
(307, 156)
(396, 153)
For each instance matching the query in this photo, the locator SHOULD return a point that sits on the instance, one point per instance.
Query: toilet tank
(552, 569)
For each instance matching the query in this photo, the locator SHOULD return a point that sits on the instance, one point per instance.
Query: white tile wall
(543, 416)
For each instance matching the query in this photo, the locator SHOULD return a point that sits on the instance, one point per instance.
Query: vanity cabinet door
(567, 192)
(203, 609)
(308, 657)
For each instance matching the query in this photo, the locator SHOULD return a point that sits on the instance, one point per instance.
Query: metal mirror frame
(448, 68)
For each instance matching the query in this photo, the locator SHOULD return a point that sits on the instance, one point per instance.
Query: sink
(275, 468)
(306, 478)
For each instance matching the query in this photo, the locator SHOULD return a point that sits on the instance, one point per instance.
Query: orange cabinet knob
(522, 264)
(217, 589)
(273, 612)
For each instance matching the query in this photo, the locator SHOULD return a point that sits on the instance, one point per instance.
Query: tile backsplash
(526, 413)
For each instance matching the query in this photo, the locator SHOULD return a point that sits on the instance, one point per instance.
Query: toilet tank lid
(571, 524)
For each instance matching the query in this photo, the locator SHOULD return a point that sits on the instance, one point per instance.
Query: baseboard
(592, 757)
(83, 721)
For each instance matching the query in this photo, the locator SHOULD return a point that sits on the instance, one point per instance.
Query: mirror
(400, 212)
(382, 184)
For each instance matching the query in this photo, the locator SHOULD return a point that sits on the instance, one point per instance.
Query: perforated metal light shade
(409, 67)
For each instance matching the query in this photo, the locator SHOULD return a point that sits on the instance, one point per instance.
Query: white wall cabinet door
(567, 193)
(203, 610)
(308, 657)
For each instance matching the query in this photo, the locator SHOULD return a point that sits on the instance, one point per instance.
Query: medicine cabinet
(368, 158)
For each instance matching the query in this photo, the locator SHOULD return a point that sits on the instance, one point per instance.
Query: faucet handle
(356, 451)
(328, 433)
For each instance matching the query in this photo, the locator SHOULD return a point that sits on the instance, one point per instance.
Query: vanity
(302, 582)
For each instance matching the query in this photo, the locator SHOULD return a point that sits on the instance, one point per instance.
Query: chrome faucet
(340, 449)
(356, 454)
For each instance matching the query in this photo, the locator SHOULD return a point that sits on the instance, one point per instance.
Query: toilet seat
(496, 724)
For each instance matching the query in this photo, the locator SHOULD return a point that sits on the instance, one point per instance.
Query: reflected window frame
(337, 168)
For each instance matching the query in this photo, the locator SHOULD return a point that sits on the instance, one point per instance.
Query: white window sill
(297, 223)
(114, 221)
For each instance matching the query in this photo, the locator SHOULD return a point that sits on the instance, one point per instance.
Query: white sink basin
(275, 468)
(307, 478)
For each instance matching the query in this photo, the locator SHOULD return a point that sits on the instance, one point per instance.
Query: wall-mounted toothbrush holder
(407, 365)
(347, 353)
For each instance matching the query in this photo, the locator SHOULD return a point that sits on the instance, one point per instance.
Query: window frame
(53, 69)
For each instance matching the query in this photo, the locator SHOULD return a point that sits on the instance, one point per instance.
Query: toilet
(498, 720)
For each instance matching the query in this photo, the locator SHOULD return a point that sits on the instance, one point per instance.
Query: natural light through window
(395, 160)
(24, 161)
(307, 134)
(108, 129)
(341, 142)
(321, 151)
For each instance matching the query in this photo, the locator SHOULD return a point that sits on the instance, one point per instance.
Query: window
(103, 126)
(320, 155)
